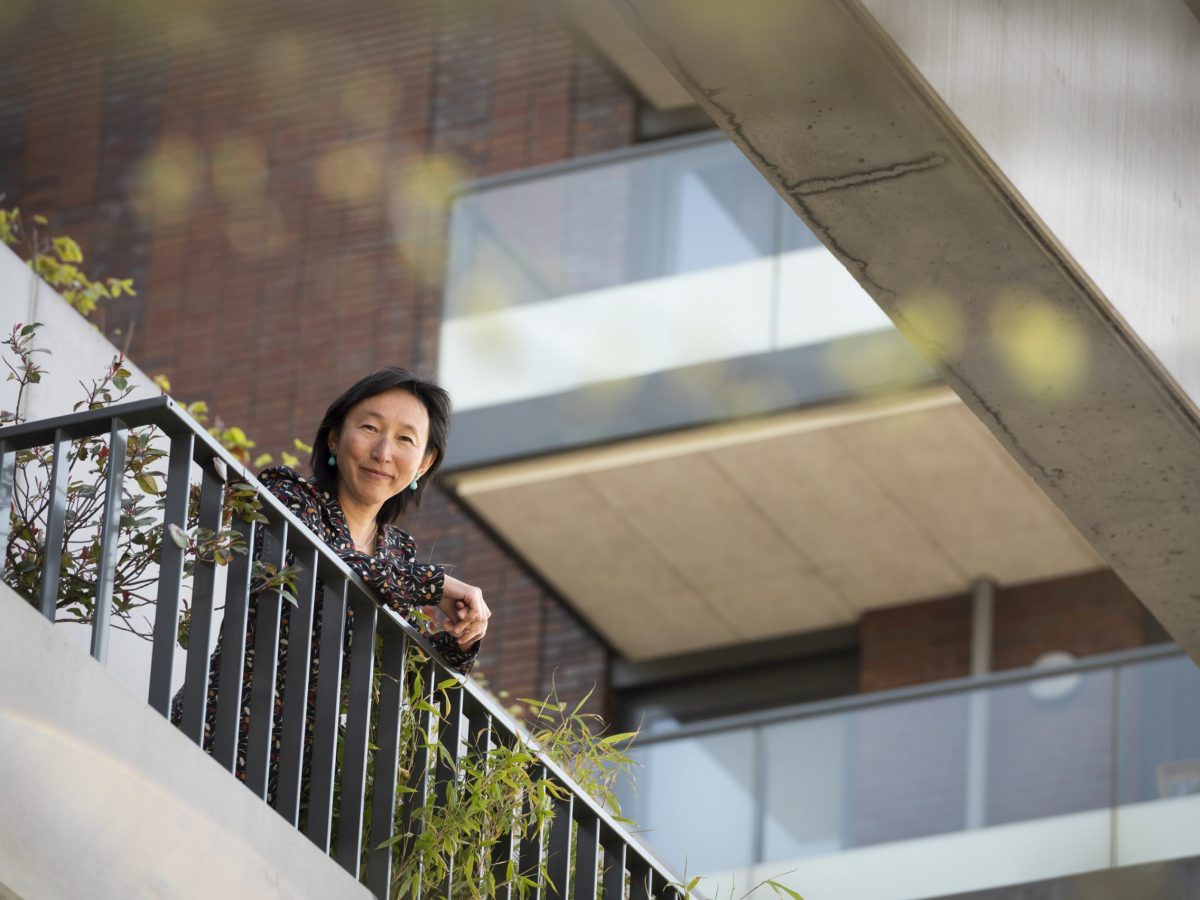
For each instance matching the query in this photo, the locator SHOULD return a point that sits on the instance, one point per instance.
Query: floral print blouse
(402, 582)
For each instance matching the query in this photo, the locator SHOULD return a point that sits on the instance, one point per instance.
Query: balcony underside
(785, 524)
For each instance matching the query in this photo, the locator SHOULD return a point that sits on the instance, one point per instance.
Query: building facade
(303, 193)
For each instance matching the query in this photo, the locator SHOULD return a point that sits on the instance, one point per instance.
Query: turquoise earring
(413, 486)
(332, 459)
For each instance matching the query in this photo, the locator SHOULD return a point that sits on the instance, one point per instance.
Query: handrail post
(56, 520)
(109, 539)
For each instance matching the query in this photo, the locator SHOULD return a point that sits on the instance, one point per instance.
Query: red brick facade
(274, 176)
(931, 641)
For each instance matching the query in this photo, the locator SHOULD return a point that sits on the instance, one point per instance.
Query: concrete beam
(850, 131)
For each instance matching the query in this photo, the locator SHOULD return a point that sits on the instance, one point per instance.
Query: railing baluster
(170, 572)
(387, 758)
(533, 842)
(358, 724)
(195, 682)
(325, 726)
(449, 761)
(233, 650)
(8, 476)
(109, 539)
(266, 665)
(506, 850)
(640, 884)
(479, 747)
(295, 688)
(614, 867)
(587, 856)
(419, 777)
(558, 858)
(56, 520)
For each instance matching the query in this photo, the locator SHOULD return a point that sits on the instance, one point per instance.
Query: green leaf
(619, 738)
(147, 483)
(783, 891)
(68, 250)
(30, 328)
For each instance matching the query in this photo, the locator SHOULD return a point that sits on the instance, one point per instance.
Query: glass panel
(646, 267)
(906, 773)
(805, 797)
(1159, 752)
(694, 801)
(1049, 749)
(599, 227)
(1013, 782)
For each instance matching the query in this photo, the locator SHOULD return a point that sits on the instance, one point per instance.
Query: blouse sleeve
(401, 583)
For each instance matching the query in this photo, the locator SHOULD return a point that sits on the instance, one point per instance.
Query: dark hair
(437, 404)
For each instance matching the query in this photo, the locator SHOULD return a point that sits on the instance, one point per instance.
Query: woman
(376, 448)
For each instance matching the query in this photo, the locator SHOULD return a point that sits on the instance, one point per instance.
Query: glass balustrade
(657, 287)
(1023, 777)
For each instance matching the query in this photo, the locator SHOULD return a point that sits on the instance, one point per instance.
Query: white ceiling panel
(737, 533)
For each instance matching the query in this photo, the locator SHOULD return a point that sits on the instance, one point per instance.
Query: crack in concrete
(1051, 476)
(735, 126)
(866, 176)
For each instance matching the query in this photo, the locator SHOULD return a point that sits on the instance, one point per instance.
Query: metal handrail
(895, 696)
(564, 852)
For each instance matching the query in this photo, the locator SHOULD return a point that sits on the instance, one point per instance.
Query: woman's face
(381, 448)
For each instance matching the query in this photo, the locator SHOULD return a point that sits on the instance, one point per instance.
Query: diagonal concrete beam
(847, 129)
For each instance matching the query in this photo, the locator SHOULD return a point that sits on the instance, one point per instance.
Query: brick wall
(931, 640)
(274, 177)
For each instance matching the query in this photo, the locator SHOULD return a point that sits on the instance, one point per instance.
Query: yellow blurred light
(874, 364)
(351, 173)
(485, 294)
(428, 184)
(421, 189)
(168, 180)
(931, 321)
(239, 168)
(284, 67)
(1042, 344)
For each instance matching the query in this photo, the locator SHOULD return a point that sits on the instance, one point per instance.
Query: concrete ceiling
(750, 531)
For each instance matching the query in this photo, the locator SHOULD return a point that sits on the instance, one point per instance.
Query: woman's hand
(466, 613)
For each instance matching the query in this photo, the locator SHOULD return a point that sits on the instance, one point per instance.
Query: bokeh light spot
(167, 181)
(1042, 344)
(351, 173)
(931, 321)
(239, 169)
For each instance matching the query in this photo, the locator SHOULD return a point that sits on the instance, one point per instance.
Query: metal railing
(596, 855)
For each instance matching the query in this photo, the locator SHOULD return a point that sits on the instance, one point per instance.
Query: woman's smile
(380, 449)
